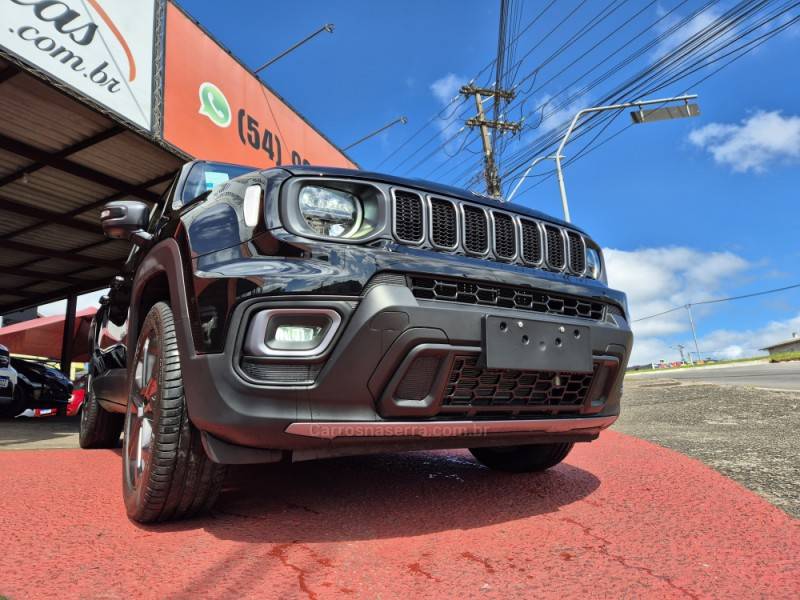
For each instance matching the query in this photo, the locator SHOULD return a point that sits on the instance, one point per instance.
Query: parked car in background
(78, 395)
(40, 386)
(9, 397)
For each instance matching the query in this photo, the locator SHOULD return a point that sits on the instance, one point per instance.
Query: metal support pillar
(68, 337)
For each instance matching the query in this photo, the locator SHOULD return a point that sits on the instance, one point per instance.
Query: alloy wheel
(139, 415)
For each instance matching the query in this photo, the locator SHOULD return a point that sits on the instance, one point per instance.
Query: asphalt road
(748, 434)
(778, 376)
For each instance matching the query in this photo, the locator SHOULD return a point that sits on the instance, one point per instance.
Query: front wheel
(522, 459)
(166, 473)
(16, 406)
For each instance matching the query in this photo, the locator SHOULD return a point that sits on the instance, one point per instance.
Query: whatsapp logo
(214, 104)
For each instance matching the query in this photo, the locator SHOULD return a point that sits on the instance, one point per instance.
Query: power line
(639, 52)
(671, 68)
(462, 99)
(541, 40)
(718, 300)
(747, 48)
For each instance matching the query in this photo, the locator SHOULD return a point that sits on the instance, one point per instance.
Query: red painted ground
(623, 518)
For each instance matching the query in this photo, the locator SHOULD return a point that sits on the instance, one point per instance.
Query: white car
(8, 385)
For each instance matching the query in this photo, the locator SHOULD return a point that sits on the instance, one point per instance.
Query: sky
(686, 210)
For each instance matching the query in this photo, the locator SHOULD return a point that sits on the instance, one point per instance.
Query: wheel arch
(160, 278)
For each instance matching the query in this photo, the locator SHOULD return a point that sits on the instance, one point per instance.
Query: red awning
(42, 337)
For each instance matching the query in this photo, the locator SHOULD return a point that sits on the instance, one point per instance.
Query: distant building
(792, 345)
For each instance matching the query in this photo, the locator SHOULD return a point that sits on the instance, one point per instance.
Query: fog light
(297, 334)
(292, 332)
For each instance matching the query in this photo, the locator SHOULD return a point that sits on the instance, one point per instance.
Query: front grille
(556, 255)
(472, 387)
(531, 242)
(463, 227)
(577, 259)
(505, 238)
(476, 230)
(444, 224)
(504, 296)
(408, 217)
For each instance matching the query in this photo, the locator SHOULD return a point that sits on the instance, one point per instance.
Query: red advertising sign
(215, 109)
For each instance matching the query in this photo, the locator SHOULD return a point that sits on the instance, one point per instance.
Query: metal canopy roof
(60, 161)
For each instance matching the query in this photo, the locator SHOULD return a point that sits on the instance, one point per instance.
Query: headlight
(594, 265)
(330, 212)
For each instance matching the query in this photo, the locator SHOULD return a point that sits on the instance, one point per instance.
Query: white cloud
(445, 89)
(692, 27)
(658, 279)
(751, 145)
(726, 343)
(554, 115)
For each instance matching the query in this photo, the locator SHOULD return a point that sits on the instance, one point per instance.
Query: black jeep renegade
(302, 312)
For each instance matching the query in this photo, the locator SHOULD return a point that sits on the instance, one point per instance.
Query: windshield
(204, 176)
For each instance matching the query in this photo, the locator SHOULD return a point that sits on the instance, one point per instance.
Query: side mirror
(126, 220)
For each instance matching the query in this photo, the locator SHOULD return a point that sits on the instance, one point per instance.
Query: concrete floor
(39, 434)
(748, 434)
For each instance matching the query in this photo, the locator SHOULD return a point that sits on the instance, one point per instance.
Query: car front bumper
(351, 407)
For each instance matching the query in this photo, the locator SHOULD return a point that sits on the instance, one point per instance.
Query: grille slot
(577, 256)
(476, 230)
(474, 389)
(281, 374)
(531, 242)
(504, 296)
(505, 238)
(408, 217)
(444, 224)
(556, 255)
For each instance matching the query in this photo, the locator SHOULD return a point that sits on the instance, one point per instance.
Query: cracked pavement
(620, 518)
(751, 435)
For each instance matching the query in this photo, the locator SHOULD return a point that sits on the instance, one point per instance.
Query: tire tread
(182, 481)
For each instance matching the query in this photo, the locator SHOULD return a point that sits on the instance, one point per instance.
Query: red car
(78, 396)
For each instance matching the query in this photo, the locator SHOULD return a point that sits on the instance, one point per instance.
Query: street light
(401, 120)
(327, 27)
(638, 116)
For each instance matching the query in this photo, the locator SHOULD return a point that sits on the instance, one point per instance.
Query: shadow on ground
(381, 496)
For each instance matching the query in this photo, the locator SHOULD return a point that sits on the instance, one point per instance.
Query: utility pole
(498, 93)
(694, 331)
(681, 348)
(490, 167)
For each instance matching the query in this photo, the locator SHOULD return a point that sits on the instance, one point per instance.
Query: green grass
(784, 357)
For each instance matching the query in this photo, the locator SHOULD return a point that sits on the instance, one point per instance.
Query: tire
(522, 459)
(166, 474)
(98, 427)
(16, 406)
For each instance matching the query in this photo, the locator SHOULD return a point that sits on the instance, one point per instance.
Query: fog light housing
(292, 332)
